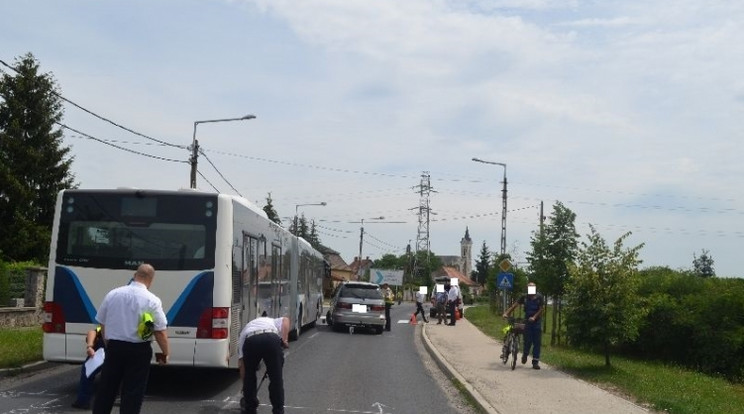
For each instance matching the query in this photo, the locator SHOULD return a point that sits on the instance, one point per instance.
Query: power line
(220, 173)
(102, 118)
(102, 141)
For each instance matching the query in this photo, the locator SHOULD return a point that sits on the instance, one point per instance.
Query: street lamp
(503, 205)
(297, 206)
(195, 143)
(503, 217)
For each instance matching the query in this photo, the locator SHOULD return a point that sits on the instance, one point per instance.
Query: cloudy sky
(628, 112)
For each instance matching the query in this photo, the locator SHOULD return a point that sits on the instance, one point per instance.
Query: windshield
(119, 230)
(361, 292)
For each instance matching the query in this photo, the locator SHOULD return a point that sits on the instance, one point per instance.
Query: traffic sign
(505, 281)
(505, 265)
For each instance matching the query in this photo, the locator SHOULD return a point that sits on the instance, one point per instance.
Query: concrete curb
(31, 367)
(447, 367)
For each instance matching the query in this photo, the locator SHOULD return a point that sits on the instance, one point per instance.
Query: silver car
(357, 304)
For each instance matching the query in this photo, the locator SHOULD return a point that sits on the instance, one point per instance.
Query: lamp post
(503, 216)
(195, 143)
(503, 205)
(297, 206)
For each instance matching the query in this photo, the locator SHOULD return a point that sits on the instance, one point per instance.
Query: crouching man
(263, 339)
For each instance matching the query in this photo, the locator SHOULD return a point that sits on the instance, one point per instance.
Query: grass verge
(19, 346)
(655, 385)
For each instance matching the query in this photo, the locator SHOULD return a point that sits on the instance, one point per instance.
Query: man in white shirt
(453, 299)
(129, 316)
(263, 339)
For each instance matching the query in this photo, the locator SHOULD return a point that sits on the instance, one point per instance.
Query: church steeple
(466, 253)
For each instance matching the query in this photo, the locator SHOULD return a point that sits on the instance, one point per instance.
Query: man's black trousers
(266, 347)
(126, 364)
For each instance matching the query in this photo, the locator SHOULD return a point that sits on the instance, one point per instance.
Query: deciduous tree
(603, 307)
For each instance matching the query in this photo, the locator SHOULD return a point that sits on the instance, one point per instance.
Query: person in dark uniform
(129, 316)
(534, 307)
(263, 339)
(93, 342)
(387, 294)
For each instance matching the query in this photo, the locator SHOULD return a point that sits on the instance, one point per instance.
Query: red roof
(452, 272)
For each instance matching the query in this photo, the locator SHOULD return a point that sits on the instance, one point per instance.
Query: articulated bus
(219, 262)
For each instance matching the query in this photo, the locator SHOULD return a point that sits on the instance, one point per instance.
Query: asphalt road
(325, 372)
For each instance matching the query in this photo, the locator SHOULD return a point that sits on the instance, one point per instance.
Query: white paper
(358, 308)
(92, 364)
(423, 290)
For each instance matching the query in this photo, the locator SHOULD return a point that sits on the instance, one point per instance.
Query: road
(325, 372)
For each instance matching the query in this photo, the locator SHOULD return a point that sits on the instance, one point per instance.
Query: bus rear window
(111, 230)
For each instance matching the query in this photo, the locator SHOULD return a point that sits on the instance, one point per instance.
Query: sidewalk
(472, 358)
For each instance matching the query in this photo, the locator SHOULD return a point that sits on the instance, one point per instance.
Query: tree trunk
(555, 315)
(560, 318)
(607, 354)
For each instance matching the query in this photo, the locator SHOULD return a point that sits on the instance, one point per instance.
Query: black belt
(127, 343)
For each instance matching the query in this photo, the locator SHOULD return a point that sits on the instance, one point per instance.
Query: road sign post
(506, 278)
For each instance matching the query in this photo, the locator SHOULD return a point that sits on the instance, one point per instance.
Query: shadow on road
(190, 383)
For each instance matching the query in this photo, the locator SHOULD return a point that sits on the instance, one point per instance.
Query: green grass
(653, 384)
(19, 346)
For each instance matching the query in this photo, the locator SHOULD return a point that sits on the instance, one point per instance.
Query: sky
(630, 113)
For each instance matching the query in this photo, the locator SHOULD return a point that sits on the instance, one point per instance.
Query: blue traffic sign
(505, 281)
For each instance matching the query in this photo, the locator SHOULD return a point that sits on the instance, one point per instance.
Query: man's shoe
(81, 406)
(524, 359)
(535, 366)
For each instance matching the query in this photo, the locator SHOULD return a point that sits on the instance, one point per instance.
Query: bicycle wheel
(507, 347)
(514, 351)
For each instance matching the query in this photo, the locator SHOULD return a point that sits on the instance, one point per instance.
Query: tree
(34, 165)
(553, 249)
(483, 265)
(703, 266)
(271, 211)
(603, 306)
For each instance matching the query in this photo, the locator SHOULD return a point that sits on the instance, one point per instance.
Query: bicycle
(513, 330)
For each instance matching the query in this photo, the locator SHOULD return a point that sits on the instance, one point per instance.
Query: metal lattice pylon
(424, 211)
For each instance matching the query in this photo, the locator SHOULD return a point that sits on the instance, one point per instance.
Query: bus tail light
(213, 323)
(54, 320)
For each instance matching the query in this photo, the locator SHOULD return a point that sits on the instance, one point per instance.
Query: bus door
(250, 278)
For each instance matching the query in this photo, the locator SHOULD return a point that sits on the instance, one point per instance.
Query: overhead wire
(220, 173)
(102, 118)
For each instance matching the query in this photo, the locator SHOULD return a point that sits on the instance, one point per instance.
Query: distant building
(464, 262)
(340, 271)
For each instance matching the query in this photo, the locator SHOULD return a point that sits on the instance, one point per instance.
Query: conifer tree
(34, 163)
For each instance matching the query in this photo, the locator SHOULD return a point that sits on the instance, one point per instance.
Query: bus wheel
(295, 332)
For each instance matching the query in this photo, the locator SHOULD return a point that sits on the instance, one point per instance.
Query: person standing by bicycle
(534, 307)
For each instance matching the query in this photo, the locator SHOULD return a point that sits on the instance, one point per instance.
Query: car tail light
(377, 308)
(54, 319)
(213, 323)
(343, 305)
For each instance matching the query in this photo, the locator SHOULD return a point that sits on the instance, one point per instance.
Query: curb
(445, 366)
(28, 368)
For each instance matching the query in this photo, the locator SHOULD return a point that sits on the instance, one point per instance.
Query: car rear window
(361, 292)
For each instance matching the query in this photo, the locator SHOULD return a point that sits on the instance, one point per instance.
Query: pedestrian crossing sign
(505, 281)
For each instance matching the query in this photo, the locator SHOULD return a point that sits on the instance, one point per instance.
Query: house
(449, 273)
(340, 271)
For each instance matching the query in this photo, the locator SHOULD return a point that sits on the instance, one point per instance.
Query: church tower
(466, 253)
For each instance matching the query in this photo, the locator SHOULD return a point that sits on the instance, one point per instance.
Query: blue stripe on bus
(71, 297)
(194, 299)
